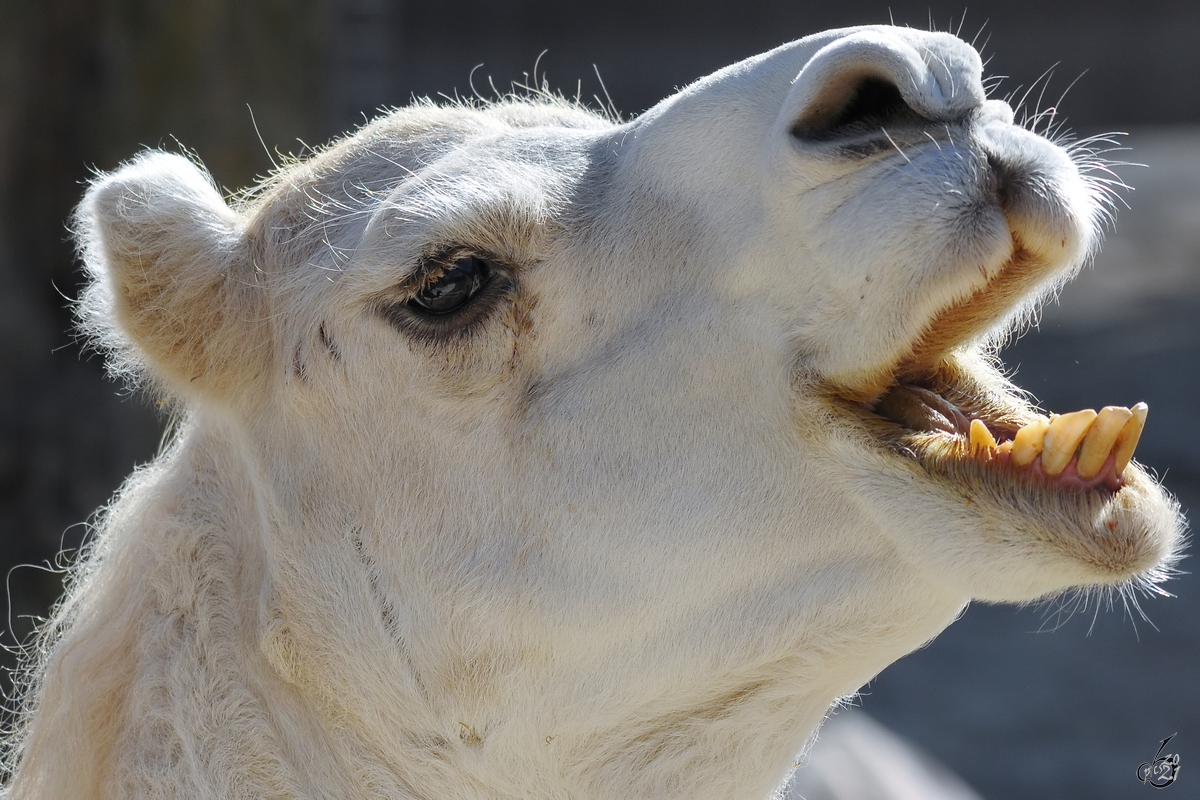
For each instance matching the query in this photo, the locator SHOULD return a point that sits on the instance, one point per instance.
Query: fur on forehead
(421, 146)
(417, 184)
(492, 206)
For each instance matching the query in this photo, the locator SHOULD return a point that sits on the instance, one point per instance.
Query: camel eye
(449, 296)
(455, 287)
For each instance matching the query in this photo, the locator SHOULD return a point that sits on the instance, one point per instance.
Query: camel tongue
(921, 410)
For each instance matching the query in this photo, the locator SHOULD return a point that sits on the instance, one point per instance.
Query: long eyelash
(396, 308)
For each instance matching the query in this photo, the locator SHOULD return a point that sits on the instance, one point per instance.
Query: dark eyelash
(431, 326)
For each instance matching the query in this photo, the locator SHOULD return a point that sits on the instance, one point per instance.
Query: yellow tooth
(1027, 444)
(982, 441)
(1063, 436)
(1100, 440)
(1127, 440)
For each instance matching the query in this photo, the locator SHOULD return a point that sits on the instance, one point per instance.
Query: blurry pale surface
(856, 758)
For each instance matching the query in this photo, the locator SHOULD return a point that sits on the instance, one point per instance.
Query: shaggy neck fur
(204, 655)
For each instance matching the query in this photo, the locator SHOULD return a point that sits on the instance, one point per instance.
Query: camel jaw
(1063, 487)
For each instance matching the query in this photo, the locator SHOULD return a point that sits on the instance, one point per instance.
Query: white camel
(531, 454)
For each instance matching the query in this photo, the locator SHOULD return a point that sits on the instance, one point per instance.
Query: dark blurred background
(1015, 708)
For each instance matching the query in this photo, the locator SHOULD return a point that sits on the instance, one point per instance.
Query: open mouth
(946, 418)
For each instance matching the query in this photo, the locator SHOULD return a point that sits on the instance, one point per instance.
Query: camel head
(562, 456)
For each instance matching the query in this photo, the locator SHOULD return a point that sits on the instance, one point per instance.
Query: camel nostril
(853, 107)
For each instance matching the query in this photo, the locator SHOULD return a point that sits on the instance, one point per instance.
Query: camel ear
(173, 286)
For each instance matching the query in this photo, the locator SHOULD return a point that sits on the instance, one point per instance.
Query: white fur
(627, 537)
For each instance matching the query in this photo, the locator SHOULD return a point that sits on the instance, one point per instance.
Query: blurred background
(1032, 702)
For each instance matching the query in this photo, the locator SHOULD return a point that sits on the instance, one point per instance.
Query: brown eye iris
(455, 287)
